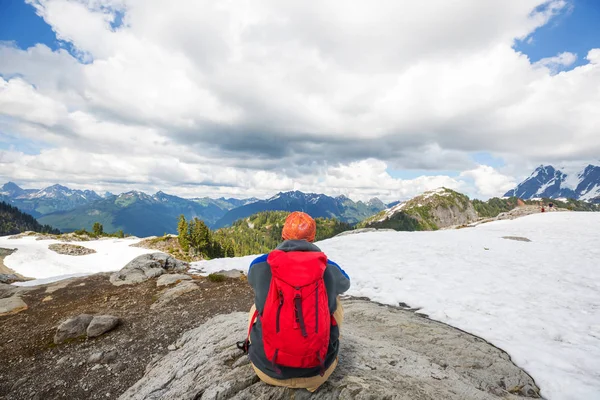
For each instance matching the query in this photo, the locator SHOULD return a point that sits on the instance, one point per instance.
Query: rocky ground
(32, 366)
(70, 249)
(175, 339)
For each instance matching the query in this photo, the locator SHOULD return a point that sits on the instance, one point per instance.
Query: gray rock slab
(147, 266)
(72, 328)
(169, 279)
(171, 294)
(12, 305)
(385, 353)
(101, 324)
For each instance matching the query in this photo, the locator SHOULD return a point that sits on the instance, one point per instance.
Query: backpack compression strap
(244, 344)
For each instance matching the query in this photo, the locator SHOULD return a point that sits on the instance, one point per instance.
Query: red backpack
(296, 321)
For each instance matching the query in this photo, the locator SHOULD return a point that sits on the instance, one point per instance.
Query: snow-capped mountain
(51, 199)
(547, 181)
(317, 205)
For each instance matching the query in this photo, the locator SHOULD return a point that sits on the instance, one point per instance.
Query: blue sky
(577, 31)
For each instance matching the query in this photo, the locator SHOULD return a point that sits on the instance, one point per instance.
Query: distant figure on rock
(294, 326)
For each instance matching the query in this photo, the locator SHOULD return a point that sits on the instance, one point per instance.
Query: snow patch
(33, 258)
(525, 298)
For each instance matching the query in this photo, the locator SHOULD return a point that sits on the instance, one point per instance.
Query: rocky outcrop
(84, 325)
(170, 279)
(12, 305)
(147, 266)
(436, 209)
(385, 353)
(70, 249)
(171, 294)
(9, 278)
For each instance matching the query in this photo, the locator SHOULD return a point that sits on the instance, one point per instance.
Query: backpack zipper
(278, 311)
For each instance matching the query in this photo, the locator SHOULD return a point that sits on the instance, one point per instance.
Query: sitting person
(294, 327)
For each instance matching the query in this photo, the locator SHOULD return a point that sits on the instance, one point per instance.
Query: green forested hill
(261, 232)
(13, 221)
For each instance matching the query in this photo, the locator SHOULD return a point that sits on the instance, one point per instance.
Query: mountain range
(140, 214)
(549, 182)
(317, 205)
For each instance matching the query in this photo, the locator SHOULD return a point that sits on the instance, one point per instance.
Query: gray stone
(72, 328)
(385, 353)
(101, 324)
(231, 273)
(173, 293)
(517, 238)
(9, 278)
(169, 279)
(12, 305)
(147, 266)
(95, 358)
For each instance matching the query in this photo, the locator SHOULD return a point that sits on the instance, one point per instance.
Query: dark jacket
(259, 277)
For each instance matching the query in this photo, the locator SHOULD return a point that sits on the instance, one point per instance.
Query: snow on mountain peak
(581, 183)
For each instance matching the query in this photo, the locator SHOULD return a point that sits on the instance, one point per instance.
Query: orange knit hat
(299, 226)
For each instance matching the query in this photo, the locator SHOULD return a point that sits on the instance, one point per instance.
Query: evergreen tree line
(256, 234)
(13, 221)
(98, 231)
(196, 238)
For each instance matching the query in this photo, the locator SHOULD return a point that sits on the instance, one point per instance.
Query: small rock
(101, 324)
(19, 383)
(171, 347)
(95, 358)
(110, 356)
(169, 279)
(97, 366)
(62, 360)
(47, 298)
(72, 328)
(12, 305)
(120, 367)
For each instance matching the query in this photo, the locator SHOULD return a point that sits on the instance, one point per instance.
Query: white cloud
(198, 97)
(488, 181)
(557, 62)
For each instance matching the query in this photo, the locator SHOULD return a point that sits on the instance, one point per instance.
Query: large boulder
(85, 325)
(385, 353)
(73, 328)
(147, 266)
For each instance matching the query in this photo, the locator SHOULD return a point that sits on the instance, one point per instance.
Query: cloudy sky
(249, 98)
